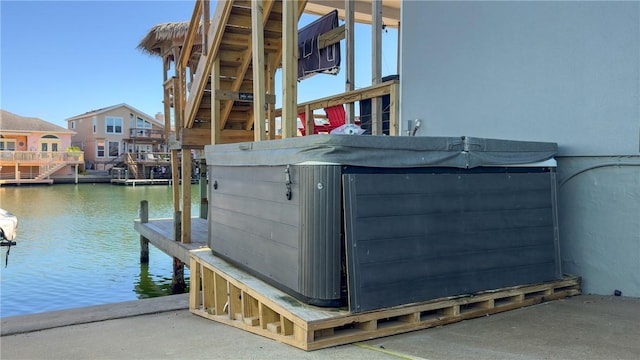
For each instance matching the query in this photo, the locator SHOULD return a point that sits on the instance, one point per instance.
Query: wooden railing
(390, 88)
(41, 157)
(136, 133)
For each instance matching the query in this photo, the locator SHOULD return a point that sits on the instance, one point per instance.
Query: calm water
(77, 246)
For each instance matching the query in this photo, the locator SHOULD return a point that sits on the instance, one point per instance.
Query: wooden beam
(185, 237)
(216, 121)
(189, 38)
(257, 34)
(242, 96)
(232, 136)
(350, 66)
(206, 23)
(195, 137)
(289, 68)
(223, 9)
(331, 37)
(198, 138)
(271, 89)
(352, 96)
(376, 64)
(244, 21)
(175, 180)
(394, 110)
(310, 121)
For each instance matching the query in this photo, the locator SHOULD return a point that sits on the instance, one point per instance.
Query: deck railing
(41, 157)
(136, 133)
(388, 88)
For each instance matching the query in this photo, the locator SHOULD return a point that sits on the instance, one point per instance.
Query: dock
(159, 232)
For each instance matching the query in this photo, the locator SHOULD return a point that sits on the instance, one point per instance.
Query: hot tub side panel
(320, 233)
(280, 223)
(416, 237)
(253, 224)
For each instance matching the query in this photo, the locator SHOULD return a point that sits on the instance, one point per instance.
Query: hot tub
(379, 221)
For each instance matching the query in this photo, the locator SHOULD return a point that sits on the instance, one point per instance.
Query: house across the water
(35, 151)
(121, 138)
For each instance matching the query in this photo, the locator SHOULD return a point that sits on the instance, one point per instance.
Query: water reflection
(150, 285)
(77, 246)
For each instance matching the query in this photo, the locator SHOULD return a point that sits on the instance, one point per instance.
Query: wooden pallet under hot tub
(231, 296)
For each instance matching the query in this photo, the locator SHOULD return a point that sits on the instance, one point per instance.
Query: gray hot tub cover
(382, 151)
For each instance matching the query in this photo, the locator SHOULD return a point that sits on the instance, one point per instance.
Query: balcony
(35, 158)
(146, 134)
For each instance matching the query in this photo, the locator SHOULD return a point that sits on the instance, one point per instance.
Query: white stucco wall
(565, 72)
(557, 71)
(599, 216)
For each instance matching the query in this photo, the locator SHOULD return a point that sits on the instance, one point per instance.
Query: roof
(11, 122)
(152, 42)
(110, 108)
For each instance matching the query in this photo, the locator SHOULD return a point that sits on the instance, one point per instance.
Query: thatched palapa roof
(163, 35)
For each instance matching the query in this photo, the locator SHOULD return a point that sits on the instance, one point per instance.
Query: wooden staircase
(50, 169)
(228, 55)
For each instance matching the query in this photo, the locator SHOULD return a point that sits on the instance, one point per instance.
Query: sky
(59, 59)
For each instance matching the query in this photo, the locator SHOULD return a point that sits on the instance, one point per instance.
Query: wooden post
(376, 64)
(257, 44)
(289, 68)
(144, 242)
(394, 110)
(349, 19)
(175, 179)
(178, 285)
(204, 201)
(186, 196)
(216, 121)
(271, 86)
(177, 280)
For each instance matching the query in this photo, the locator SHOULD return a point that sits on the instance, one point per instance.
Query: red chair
(336, 116)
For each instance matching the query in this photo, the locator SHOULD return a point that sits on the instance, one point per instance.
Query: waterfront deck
(135, 182)
(159, 232)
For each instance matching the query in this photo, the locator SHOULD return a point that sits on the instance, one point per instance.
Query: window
(114, 148)
(114, 125)
(73, 125)
(95, 123)
(142, 124)
(8, 144)
(100, 148)
(49, 143)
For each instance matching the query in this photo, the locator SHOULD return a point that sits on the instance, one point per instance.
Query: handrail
(187, 45)
(390, 87)
(41, 157)
(201, 78)
(370, 92)
(146, 133)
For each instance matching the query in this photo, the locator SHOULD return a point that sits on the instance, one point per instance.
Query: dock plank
(159, 232)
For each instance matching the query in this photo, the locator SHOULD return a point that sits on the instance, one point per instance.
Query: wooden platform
(223, 293)
(134, 182)
(25, 182)
(159, 232)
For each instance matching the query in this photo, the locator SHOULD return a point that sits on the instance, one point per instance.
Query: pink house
(35, 151)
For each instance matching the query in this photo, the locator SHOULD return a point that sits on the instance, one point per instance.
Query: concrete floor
(582, 327)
